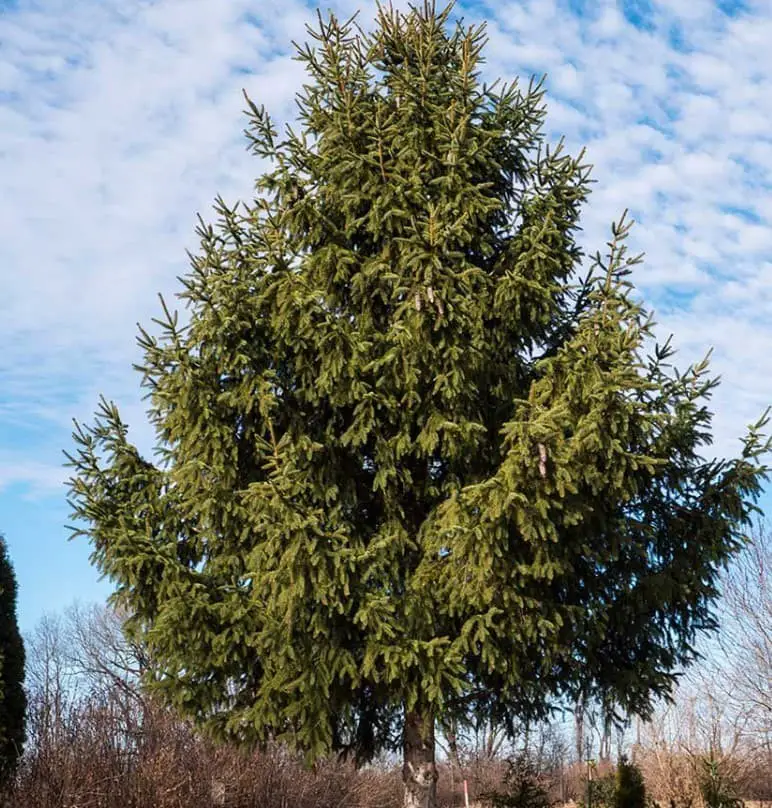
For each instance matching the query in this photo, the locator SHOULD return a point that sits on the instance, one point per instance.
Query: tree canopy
(416, 455)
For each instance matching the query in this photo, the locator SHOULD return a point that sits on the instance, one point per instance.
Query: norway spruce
(416, 457)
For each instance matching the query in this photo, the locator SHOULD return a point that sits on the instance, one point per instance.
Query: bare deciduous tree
(746, 638)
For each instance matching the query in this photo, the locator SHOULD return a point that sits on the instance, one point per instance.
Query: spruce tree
(630, 788)
(13, 701)
(416, 456)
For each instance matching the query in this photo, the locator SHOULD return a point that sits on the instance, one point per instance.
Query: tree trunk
(579, 729)
(605, 742)
(419, 771)
(450, 729)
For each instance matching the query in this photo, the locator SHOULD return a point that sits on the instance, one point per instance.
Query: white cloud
(119, 123)
(680, 135)
(38, 479)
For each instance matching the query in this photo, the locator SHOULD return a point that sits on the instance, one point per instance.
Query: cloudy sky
(119, 122)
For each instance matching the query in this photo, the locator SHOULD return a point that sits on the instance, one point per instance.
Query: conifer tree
(630, 788)
(13, 701)
(417, 456)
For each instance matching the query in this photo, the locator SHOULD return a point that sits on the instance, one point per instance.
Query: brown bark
(419, 771)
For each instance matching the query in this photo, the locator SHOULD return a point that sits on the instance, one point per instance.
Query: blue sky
(119, 122)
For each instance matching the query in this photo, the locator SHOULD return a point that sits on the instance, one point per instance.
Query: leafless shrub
(97, 741)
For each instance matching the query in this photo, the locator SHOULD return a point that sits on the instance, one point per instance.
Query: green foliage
(13, 701)
(523, 787)
(630, 790)
(410, 457)
(716, 789)
(601, 792)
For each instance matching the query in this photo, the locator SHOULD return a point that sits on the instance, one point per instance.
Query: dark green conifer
(412, 462)
(630, 789)
(13, 701)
